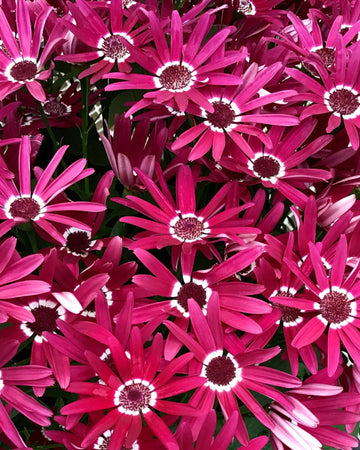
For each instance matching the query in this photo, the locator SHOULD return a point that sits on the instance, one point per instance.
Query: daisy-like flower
(334, 301)
(229, 371)
(317, 408)
(234, 114)
(276, 166)
(339, 94)
(181, 71)
(20, 203)
(12, 285)
(235, 297)
(178, 223)
(134, 394)
(10, 377)
(90, 28)
(20, 63)
(134, 148)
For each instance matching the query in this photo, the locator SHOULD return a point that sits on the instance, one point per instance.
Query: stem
(85, 87)
(48, 128)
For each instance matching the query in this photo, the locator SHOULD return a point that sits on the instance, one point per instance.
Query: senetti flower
(338, 94)
(21, 62)
(132, 396)
(228, 370)
(179, 223)
(20, 203)
(333, 301)
(236, 109)
(91, 29)
(10, 377)
(179, 72)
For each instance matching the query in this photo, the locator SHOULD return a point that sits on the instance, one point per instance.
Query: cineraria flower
(91, 29)
(179, 224)
(131, 397)
(311, 421)
(334, 301)
(20, 203)
(276, 166)
(179, 72)
(137, 148)
(236, 109)
(228, 372)
(339, 94)
(20, 62)
(32, 375)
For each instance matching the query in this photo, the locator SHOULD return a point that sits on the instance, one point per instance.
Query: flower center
(176, 77)
(187, 228)
(25, 208)
(222, 117)
(22, 71)
(114, 49)
(103, 441)
(191, 290)
(221, 371)
(245, 7)
(336, 306)
(55, 108)
(343, 101)
(134, 397)
(266, 167)
(327, 55)
(77, 242)
(45, 319)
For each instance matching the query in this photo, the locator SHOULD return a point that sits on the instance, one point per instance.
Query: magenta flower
(10, 377)
(180, 71)
(236, 109)
(20, 63)
(179, 223)
(129, 149)
(91, 29)
(229, 371)
(338, 94)
(131, 397)
(19, 203)
(277, 166)
(12, 285)
(333, 300)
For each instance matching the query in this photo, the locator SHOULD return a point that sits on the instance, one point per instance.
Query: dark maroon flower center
(222, 116)
(45, 320)
(54, 108)
(105, 444)
(175, 77)
(327, 55)
(78, 242)
(134, 397)
(113, 48)
(191, 290)
(220, 371)
(343, 101)
(23, 71)
(25, 208)
(188, 228)
(335, 307)
(266, 167)
(244, 6)
(289, 314)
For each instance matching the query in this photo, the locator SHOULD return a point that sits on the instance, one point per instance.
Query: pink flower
(229, 371)
(20, 63)
(131, 397)
(32, 375)
(20, 203)
(180, 71)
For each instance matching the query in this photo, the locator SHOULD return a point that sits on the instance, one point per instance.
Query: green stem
(48, 128)
(85, 87)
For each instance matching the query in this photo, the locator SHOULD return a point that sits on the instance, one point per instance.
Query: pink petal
(308, 334)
